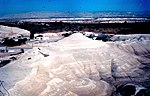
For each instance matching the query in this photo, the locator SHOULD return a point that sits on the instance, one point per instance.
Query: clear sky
(21, 6)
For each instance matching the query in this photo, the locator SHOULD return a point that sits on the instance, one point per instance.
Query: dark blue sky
(21, 6)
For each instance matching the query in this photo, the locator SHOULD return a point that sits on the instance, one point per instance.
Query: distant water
(102, 17)
(144, 14)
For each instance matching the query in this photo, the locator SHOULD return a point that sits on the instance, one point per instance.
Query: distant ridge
(113, 14)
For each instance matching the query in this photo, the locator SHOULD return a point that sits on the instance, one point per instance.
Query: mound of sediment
(78, 66)
(9, 32)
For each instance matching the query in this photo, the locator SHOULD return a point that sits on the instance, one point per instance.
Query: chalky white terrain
(78, 66)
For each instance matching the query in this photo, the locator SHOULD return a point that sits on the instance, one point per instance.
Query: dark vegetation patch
(66, 34)
(106, 28)
(13, 58)
(4, 62)
(12, 42)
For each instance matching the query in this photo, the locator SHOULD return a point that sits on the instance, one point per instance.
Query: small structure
(88, 33)
(41, 37)
(15, 50)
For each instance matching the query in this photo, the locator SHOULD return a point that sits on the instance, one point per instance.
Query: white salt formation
(10, 32)
(132, 37)
(78, 66)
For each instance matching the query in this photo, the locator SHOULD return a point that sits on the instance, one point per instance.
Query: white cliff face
(78, 66)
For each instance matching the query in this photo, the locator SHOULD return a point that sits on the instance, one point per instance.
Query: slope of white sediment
(6, 31)
(78, 66)
(77, 41)
(131, 37)
(14, 72)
